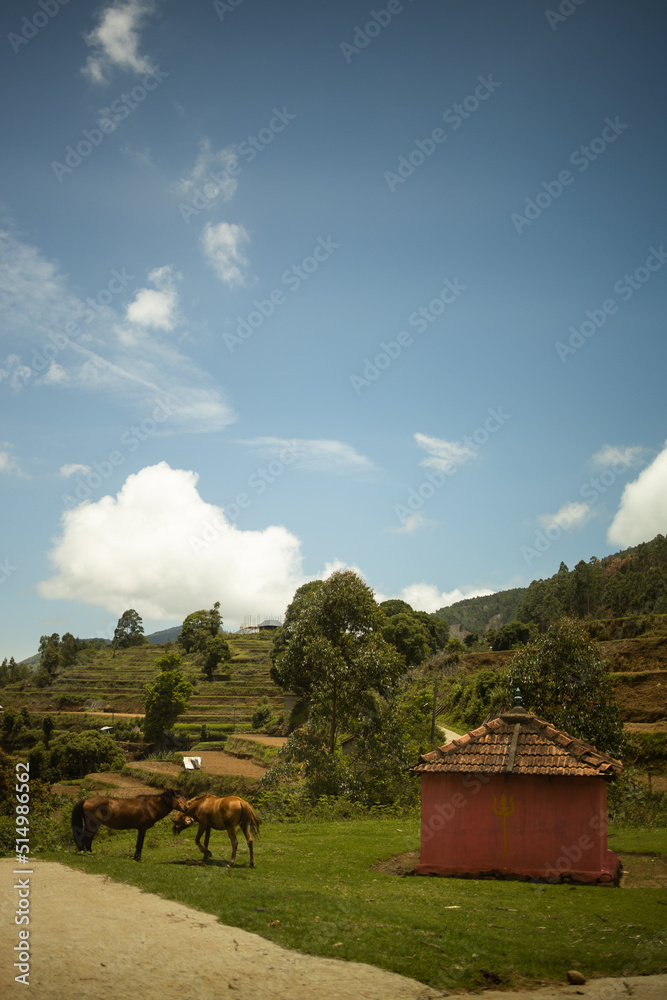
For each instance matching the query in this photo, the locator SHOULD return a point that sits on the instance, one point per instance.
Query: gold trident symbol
(504, 811)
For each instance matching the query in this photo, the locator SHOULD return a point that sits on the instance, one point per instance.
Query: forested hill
(630, 582)
(477, 614)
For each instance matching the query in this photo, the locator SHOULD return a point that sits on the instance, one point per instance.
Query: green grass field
(314, 889)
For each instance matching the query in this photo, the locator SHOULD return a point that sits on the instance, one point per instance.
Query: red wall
(525, 824)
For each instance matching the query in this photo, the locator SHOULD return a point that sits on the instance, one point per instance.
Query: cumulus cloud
(571, 515)
(428, 597)
(115, 41)
(155, 307)
(444, 455)
(212, 174)
(222, 249)
(642, 513)
(158, 547)
(315, 455)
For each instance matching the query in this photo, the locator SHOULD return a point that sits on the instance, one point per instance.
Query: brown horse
(213, 813)
(139, 813)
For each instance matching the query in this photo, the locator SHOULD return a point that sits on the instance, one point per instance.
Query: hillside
(108, 680)
(630, 582)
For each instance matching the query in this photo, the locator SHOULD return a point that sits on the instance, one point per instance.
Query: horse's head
(181, 822)
(179, 801)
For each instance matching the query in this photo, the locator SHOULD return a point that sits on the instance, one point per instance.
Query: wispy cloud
(212, 174)
(221, 245)
(610, 455)
(413, 522)
(444, 455)
(115, 41)
(9, 465)
(315, 455)
(126, 358)
(72, 468)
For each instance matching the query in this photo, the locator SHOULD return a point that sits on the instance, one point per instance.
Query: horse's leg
(232, 836)
(205, 851)
(139, 845)
(90, 828)
(248, 837)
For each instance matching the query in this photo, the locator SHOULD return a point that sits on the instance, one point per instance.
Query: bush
(73, 755)
(263, 714)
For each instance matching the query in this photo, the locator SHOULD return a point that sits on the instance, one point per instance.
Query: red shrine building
(517, 798)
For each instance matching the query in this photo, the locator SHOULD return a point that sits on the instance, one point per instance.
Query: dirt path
(93, 937)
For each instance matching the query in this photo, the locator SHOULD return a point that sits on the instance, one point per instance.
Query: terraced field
(107, 681)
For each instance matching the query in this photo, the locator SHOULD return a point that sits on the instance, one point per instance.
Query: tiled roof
(519, 743)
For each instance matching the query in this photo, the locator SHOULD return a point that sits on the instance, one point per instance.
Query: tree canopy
(563, 680)
(129, 631)
(167, 698)
(198, 627)
(331, 650)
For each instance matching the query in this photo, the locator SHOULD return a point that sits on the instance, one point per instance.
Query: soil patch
(640, 871)
(212, 761)
(269, 741)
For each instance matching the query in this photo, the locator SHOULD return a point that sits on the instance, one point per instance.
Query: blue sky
(288, 287)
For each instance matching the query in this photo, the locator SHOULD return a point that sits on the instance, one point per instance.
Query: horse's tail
(79, 825)
(251, 819)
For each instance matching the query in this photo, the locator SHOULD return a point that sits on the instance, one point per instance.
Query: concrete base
(609, 874)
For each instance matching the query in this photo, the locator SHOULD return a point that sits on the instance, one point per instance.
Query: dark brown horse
(139, 813)
(213, 813)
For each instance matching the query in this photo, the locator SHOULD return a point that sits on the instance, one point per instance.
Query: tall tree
(215, 652)
(563, 680)
(129, 631)
(407, 634)
(199, 627)
(167, 698)
(332, 652)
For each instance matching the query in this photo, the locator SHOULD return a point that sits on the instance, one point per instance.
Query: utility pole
(435, 695)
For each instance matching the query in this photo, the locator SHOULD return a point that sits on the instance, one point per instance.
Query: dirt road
(93, 937)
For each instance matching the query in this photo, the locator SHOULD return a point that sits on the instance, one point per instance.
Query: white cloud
(444, 455)
(115, 41)
(315, 455)
(17, 373)
(156, 307)
(143, 549)
(126, 360)
(571, 515)
(427, 597)
(72, 468)
(8, 463)
(335, 566)
(212, 174)
(642, 513)
(412, 522)
(222, 249)
(610, 455)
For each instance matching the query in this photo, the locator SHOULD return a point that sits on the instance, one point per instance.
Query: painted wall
(528, 824)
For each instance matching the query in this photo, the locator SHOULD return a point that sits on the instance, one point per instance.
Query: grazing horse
(213, 813)
(139, 814)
